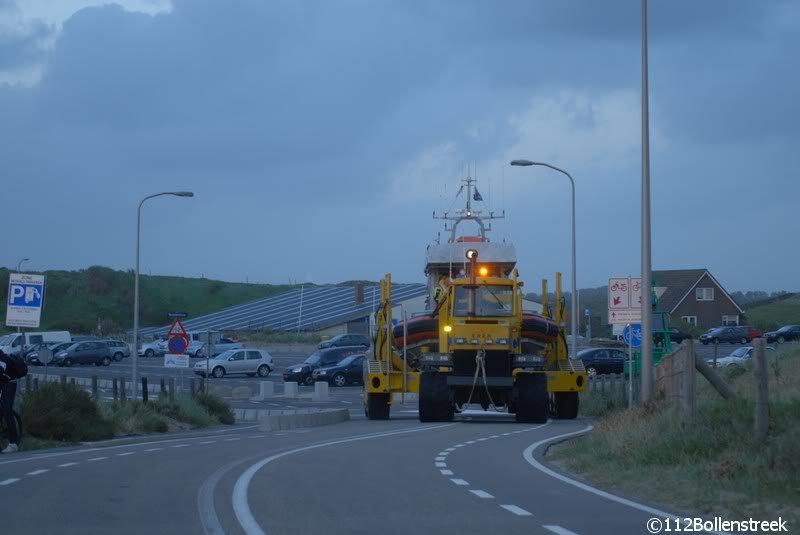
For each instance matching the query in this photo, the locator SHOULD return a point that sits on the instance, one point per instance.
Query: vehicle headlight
(297, 370)
(322, 372)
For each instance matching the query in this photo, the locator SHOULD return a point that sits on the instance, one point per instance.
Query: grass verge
(715, 467)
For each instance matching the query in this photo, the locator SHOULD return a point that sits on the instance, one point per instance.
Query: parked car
(96, 353)
(198, 348)
(675, 335)
(155, 348)
(733, 335)
(602, 360)
(247, 361)
(20, 343)
(347, 371)
(751, 332)
(784, 334)
(737, 358)
(119, 349)
(322, 358)
(32, 357)
(344, 340)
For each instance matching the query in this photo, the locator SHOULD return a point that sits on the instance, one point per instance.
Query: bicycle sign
(632, 334)
(624, 300)
(619, 294)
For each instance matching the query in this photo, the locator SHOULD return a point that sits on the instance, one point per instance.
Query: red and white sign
(624, 300)
(177, 329)
(619, 294)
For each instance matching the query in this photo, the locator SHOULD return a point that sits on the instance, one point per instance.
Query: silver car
(119, 350)
(251, 362)
(199, 349)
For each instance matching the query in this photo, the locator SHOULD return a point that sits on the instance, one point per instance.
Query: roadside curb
(281, 420)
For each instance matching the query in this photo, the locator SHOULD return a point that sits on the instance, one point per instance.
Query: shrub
(64, 412)
(184, 409)
(216, 407)
(135, 417)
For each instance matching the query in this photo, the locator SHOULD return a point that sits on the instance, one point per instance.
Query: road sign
(25, 299)
(178, 315)
(587, 313)
(624, 300)
(178, 341)
(176, 329)
(176, 361)
(633, 334)
(177, 344)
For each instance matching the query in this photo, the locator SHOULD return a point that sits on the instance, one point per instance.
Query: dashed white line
(155, 449)
(37, 472)
(207, 442)
(519, 511)
(180, 445)
(460, 482)
(66, 465)
(440, 465)
(459, 446)
(495, 436)
(443, 453)
(258, 436)
(559, 530)
(126, 453)
(446, 472)
(469, 442)
(450, 449)
(95, 459)
(481, 494)
(482, 439)
(440, 458)
(231, 439)
(8, 481)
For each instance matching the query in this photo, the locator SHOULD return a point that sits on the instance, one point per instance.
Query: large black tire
(567, 404)
(533, 399)
(377, 406)
(434, 398)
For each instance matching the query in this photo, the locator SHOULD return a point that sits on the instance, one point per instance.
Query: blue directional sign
(587, 313)
(633, 334)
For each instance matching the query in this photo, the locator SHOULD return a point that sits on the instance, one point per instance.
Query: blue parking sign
(25, 295)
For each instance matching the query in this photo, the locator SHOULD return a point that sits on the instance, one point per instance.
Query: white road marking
(241, 507)
(440, 458)
(66, 465)
(446, 472)
(528, 456)
(93, 459)
(180, 445)
(459, 446)
(469, 442)
(519, 511)
(559, 530)
(505, 434)
(258, 436)
(460, 482)
(231, 439)
(37, 472)
(482, 439)
(481, 494)
(208, 442)
(443, 453)
(156, 449)
(450, 449)
(495, 436)
(127, 453)
(8, 481)
(440, 465)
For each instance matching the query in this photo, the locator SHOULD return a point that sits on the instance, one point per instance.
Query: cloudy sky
(319, 136)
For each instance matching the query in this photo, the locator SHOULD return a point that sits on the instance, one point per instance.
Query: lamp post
(19, 264)
(647, 275)
(134, 377)
(574, 305)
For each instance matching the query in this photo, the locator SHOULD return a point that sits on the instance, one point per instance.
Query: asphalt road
(479, 476)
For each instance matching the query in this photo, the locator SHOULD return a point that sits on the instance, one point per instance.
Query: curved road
(480, 476)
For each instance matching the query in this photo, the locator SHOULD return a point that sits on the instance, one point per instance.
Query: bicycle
(4, 434)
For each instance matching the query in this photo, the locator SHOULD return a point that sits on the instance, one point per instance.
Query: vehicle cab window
(253, 355)
(239, 355)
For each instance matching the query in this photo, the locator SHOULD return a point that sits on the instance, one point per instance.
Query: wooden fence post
(144, 390)
(163, 386)
(95, 394)
(114, 389)
(687, 383)
(172, 389)
(761, 380)
(122, 389)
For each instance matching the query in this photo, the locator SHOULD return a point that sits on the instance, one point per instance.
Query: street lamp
(19, 264)
(574, 306)
(134, 388)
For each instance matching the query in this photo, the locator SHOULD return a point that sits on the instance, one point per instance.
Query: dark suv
(322, 358)
(343, 340)
(733, 335)
(96, 353)
(784, 334)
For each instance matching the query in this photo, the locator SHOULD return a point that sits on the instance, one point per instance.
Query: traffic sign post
(178, 341)
(624, 300)
(633, 336)
(25, 300)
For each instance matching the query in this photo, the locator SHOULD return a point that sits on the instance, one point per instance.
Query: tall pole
(19, 267)
(574, 301)
(134, 375)
(647, 283)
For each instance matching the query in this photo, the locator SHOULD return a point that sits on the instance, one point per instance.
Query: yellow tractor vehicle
(476, 344)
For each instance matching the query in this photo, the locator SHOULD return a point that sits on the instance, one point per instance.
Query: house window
(704, 294)
(730, 320)
(691, 320)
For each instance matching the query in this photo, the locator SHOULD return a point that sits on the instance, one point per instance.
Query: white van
(18, 343)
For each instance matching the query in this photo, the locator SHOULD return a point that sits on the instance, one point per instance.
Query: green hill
(774, 313)
(78, 300)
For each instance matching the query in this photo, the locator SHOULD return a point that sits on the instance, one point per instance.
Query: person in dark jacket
(8, 391)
